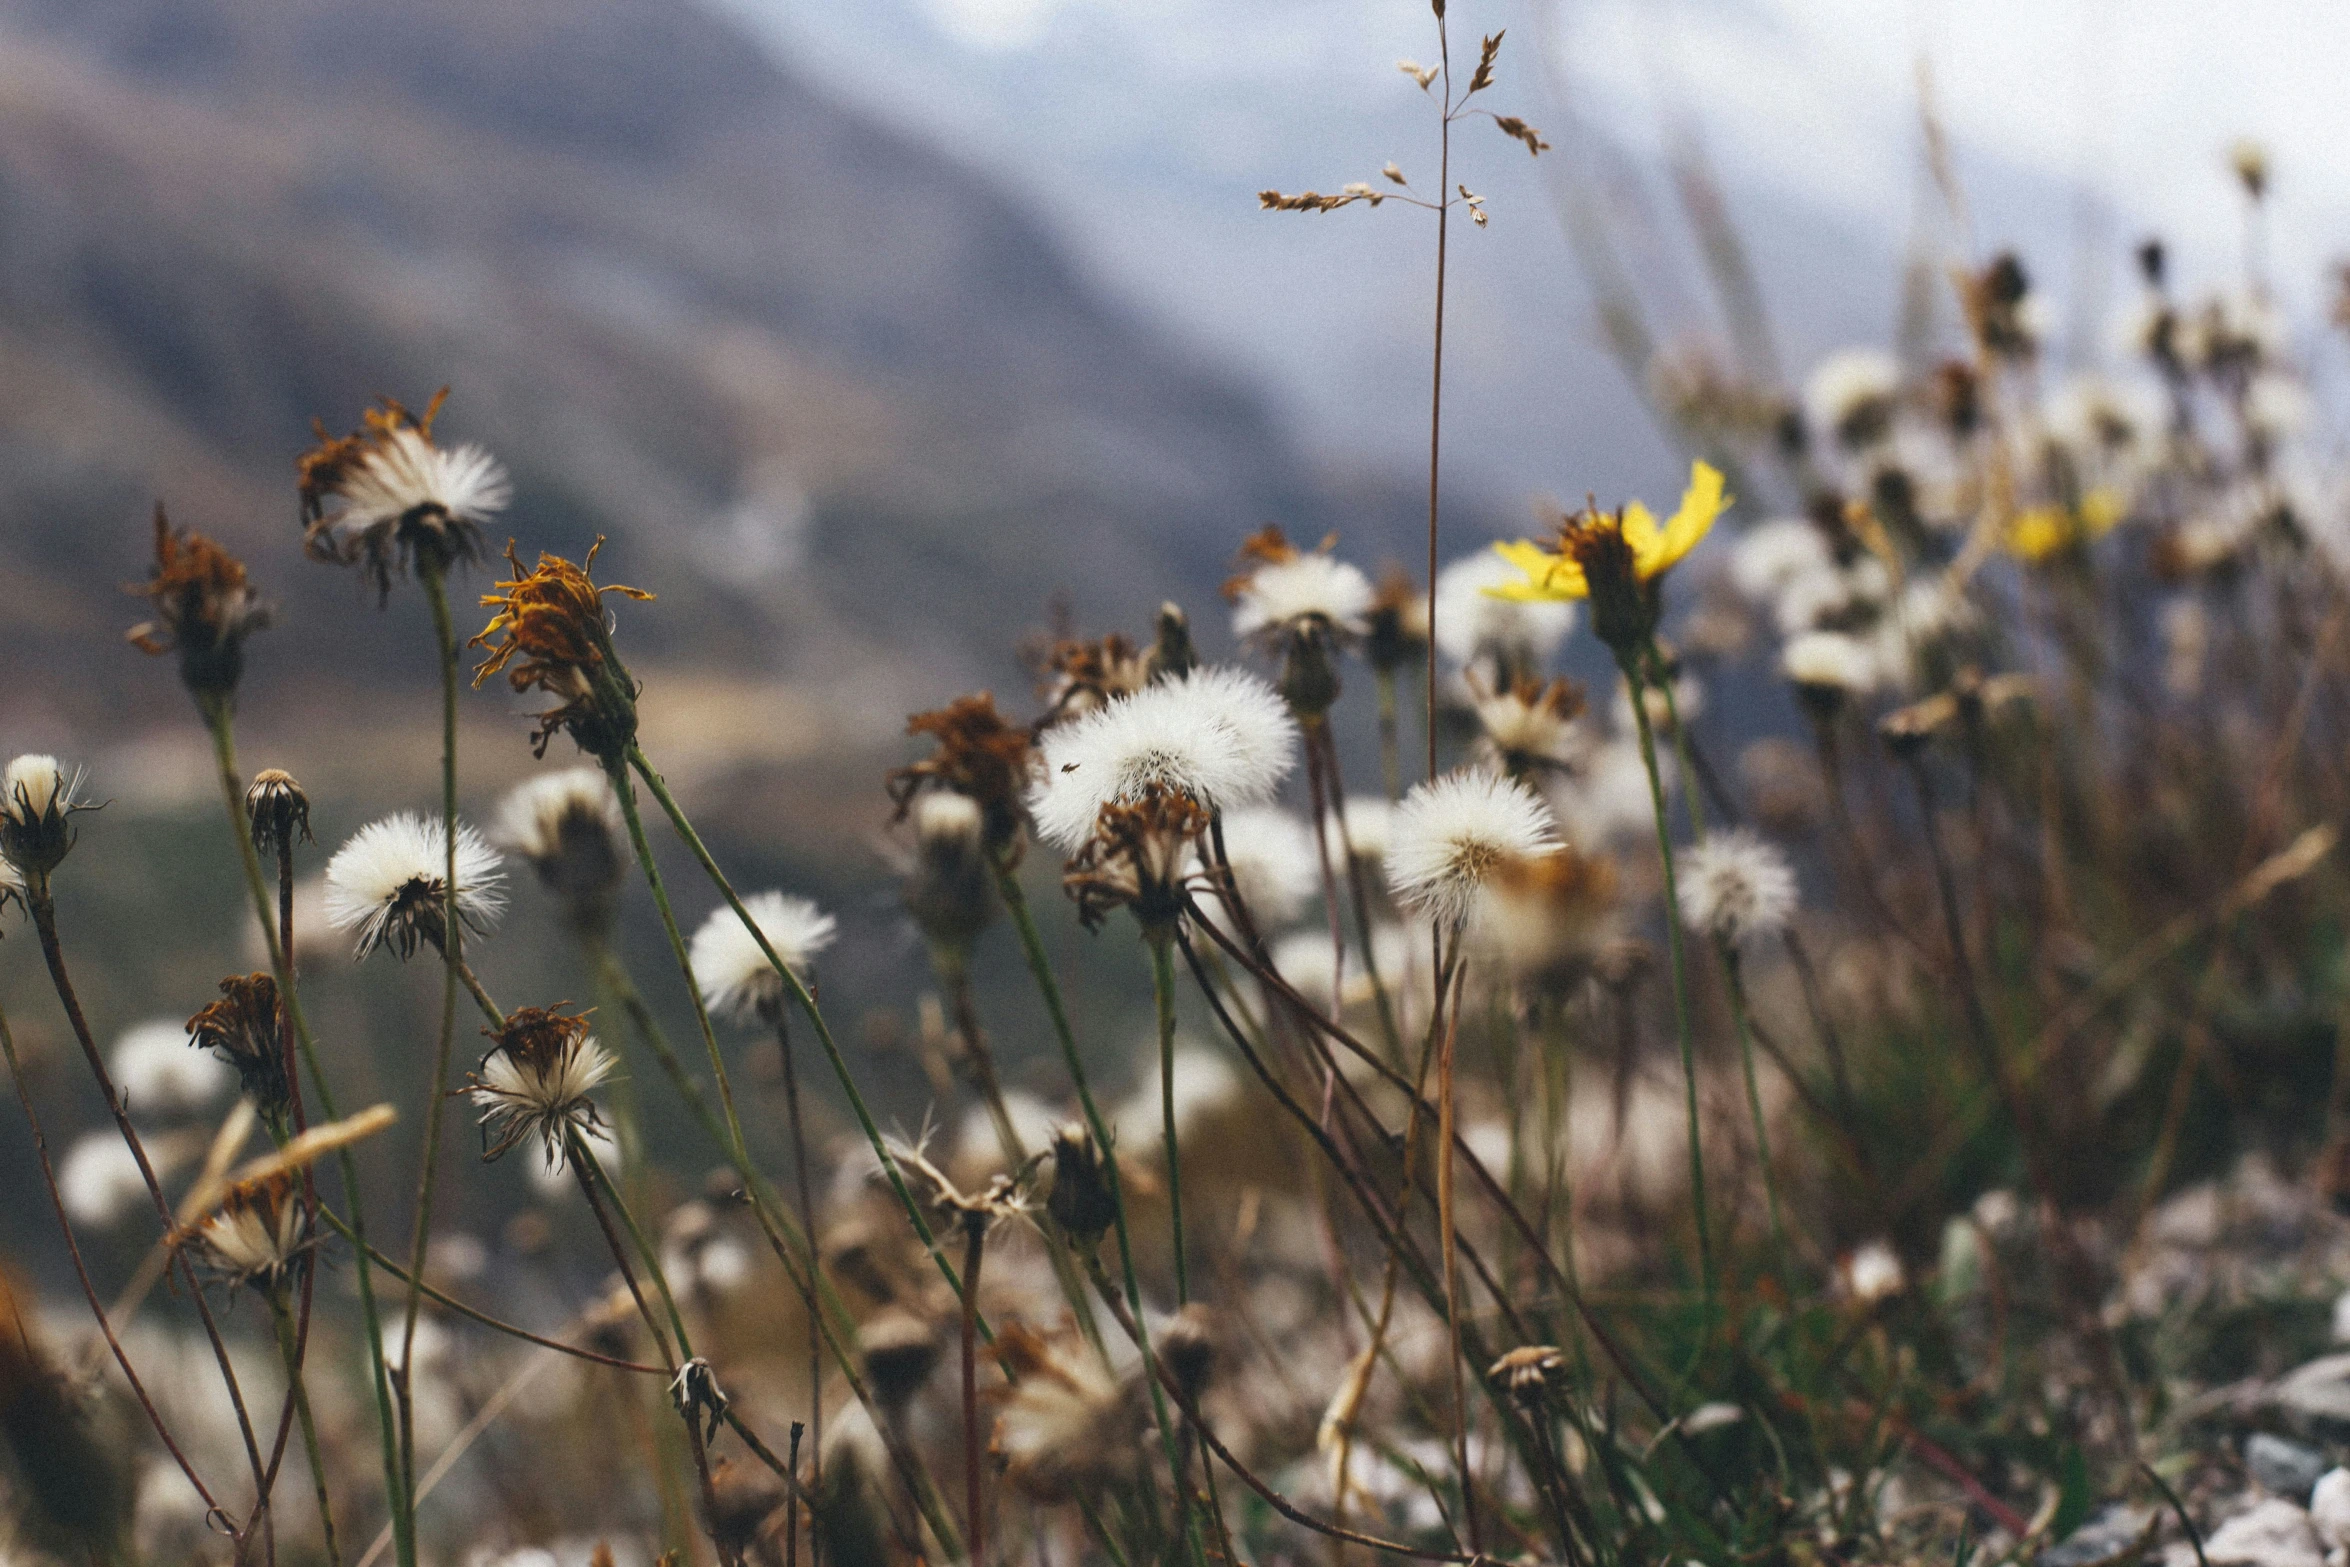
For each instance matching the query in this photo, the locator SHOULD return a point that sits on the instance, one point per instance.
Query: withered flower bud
(569, 826)
(535, 1082)
(900, 1351)
(258, 1231)
(38, 801)
(1304, 605)
(2249, 160)
(982, 755)
(697, 1396)
(1086, 676)
(1528, 1373)
(1080, 1202)
(1994, 300)
(1136, 859)
(1187, 1347)
(1396, 629)
(204, 610)
(1172, 656)
(951, 892)
(242, 1029)
(553, 617)
(385, 497)
(276, 808)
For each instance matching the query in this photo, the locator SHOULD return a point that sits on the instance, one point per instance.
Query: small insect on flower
(535, 1082)
(258, 1231)
(1734, 885)
(552, 619)
(204, 609)
(38, 800)
(1615, 559)
(1221, 737)
(568, 826)
(1451, 835)
(241, 1028)
(736, 978)
(385, 497)
(1303, 606)
(387, 884)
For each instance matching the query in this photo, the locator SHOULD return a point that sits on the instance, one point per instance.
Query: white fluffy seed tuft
(1734, 885)
(386, 884)
(1221, 736)
(1472, 625)
(532, 818)
(735, 976)
(1281, 594)
(1448, 836)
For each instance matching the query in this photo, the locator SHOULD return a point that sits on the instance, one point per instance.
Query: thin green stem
(452, 944)
(1733, 975)
(403, 1518)
(300, 1392)
(1163, 993)
(1629, 662)
(799, 994)
(1040, 966)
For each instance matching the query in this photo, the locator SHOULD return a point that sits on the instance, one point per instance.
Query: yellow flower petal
(1701, 504)
(1548, 576)
(2038, 533)
(2101, 508)
(1641, 532)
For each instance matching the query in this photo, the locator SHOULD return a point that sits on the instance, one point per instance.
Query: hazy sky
(1142, 129)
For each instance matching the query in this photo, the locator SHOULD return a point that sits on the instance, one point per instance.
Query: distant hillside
(834, 398)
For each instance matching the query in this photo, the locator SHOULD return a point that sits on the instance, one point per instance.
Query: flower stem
(403, 1517)
(1163, 992)
(799, 994)
(807, 1198)
(452, 943)
(1040, 966)
(1629, 662)
(1734, 977)
(286, 1347)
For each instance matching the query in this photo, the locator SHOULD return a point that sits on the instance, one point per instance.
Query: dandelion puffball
(388, 881)
(1221, 737)
(1449, 835)
(1472, 624)
(735, 977)
(1285, 593)
(1734, 885)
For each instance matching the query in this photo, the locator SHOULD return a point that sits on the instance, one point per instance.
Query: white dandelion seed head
(161, 1073)
(1846, 391)
(1450, 834)
(1281, 594)
(388, 881)
(943, 818)
(735, 977)
(1221, 736)
(1470, 624)
(99, 1180)
(1934, 607)
(536, 816)
(1368, 819)
(521, 1098)
(1734, 885)
(32, 786)
(2097, 416)
(1831, 661)
(405, 472)
(1274, 862)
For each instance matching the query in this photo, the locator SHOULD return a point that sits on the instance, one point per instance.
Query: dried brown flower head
(1397, 625)
(1065, 1426)
(204, 609)
(536, 1080)
(1083, 677)
(276, 809)
(243, 1029)
(258, 1231)
(385, 497)
(1080, 1202)
(1136, 860)
(981, 754)
(1528, 1372)
(1994, 300)
(557, 639)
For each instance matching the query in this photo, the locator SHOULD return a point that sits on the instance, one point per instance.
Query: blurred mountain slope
(834, 398)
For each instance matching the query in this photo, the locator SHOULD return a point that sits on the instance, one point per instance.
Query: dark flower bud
(1081, 1201)
(277, 809)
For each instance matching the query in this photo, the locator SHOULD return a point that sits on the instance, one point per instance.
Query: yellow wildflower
(1559, 573)
(2040, 532)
